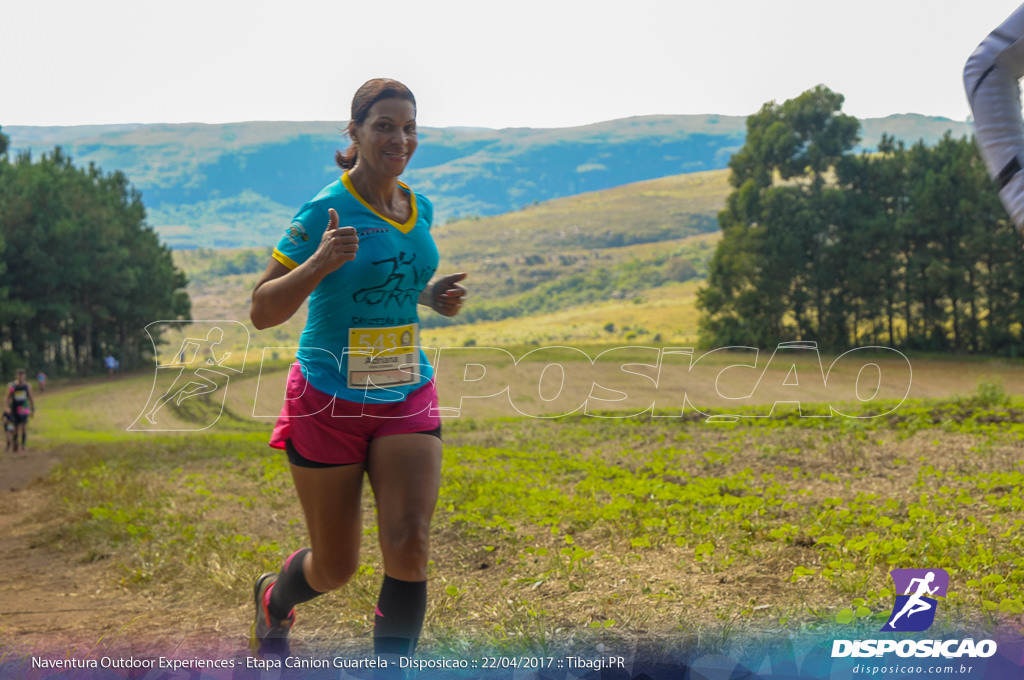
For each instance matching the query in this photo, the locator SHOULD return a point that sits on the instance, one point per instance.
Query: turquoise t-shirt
(361, 340)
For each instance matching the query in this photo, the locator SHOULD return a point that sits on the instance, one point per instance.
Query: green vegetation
(204, 266)
(82, 273)
(626, 279)
(246, 219)
(906, 247)
(574, 531)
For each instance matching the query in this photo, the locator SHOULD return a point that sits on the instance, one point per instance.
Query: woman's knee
(408, 545)
(326, 575)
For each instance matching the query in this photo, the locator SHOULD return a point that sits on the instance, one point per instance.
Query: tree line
(903, 247)
(82, 274)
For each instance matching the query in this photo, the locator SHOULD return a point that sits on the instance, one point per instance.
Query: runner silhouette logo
(195, 361)
(915, 606)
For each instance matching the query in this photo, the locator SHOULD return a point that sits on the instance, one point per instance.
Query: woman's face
(387, 138)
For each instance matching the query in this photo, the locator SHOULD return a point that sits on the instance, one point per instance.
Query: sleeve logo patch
(296, 233)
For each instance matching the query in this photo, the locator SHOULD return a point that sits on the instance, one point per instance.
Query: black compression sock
(399, 616)
(291, 587)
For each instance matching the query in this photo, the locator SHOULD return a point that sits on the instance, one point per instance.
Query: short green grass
(553, 533)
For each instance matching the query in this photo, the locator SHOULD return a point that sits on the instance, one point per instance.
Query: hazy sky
(547, 63)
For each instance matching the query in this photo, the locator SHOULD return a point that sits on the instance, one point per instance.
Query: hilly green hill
(236, 185)
(618, 246)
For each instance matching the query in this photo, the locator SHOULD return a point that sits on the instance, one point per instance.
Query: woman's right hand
(337, 246)
(281, 291)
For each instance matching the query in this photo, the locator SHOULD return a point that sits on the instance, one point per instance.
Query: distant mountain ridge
(238, 184)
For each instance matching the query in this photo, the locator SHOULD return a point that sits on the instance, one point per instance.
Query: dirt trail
(46, 599)
(59, 601)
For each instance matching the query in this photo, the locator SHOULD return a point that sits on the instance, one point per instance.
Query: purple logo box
(939, 581)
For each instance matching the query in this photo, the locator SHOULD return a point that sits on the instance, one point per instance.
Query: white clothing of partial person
(992, 81)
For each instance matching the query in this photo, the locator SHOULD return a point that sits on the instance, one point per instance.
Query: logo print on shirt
(296, 233)
(401, 285)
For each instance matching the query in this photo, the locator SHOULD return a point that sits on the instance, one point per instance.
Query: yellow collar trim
(404, 228)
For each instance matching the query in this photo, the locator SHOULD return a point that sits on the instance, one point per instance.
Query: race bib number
(383, 357)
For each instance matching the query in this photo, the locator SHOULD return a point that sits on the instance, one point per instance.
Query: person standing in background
(21, 404)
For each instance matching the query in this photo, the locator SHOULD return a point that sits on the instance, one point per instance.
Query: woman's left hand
(447, 296)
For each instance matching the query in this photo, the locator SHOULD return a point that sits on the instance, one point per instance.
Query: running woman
(19, 399)
(359, 397)
(992, 81)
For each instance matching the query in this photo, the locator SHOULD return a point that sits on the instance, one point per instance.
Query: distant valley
(236, 185)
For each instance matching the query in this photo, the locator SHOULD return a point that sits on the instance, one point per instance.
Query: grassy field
(559, 533)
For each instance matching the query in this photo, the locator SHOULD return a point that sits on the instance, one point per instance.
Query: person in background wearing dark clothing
(21, 403)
